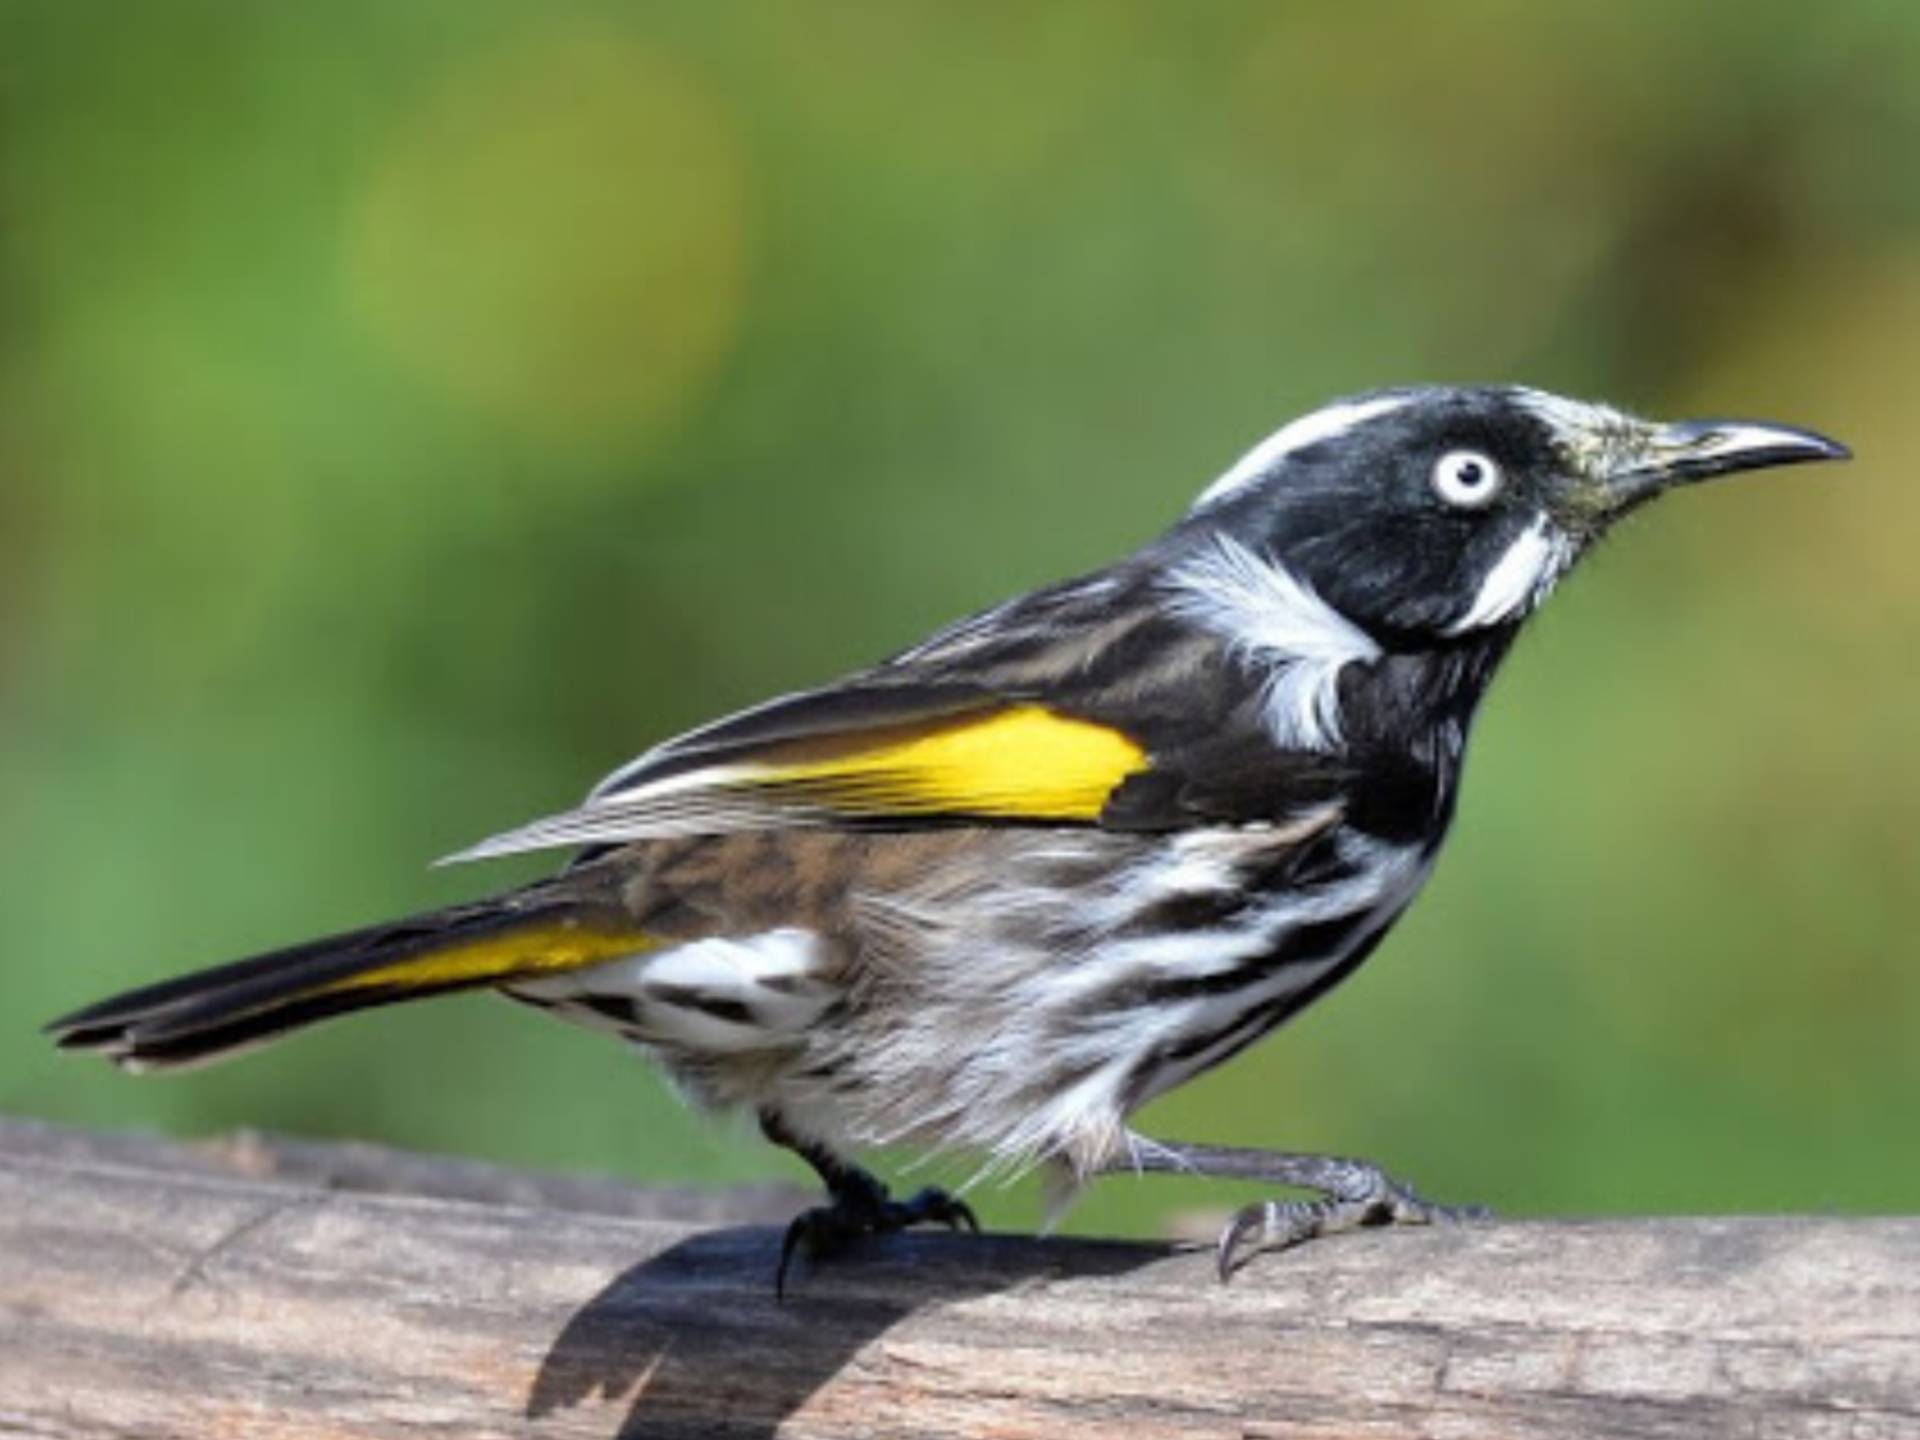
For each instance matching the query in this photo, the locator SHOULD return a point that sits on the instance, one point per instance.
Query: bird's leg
(1353, 1193)
(859, 1204)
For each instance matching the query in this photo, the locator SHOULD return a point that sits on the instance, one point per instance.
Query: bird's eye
(1467, 479)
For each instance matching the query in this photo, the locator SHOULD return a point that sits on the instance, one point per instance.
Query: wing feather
(1087, 703)
(931, 764)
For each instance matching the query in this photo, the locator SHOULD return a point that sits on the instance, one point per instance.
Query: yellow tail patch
(536, 950)
(1024, 762)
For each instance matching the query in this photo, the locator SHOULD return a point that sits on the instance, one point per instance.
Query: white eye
(1467, 479)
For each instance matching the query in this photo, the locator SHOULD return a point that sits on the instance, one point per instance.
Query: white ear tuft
(1276, 623)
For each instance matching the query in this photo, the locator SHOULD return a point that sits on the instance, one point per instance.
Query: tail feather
(213, 1013)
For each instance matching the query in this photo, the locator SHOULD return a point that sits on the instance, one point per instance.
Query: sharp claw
(1243, 1224)
(1229, 1241)
(788, 1245)
(954, 1214)
(829, 1226)
(933, 1205)
(1280, 1225)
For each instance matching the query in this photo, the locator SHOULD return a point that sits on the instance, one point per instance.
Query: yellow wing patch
(1023, 762)
(537, 950)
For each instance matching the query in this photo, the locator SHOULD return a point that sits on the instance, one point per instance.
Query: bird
(997, 891)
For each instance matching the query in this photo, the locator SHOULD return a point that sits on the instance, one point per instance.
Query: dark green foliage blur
(409, 411)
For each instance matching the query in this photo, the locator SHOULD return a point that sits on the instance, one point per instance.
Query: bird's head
(1427, 514)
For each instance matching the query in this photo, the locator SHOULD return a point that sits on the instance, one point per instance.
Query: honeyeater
(998, 891)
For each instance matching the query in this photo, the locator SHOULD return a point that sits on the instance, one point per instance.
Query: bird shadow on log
(698, 1338)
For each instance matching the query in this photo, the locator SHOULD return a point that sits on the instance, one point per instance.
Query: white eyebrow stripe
(1521, 578)
(1324, 424)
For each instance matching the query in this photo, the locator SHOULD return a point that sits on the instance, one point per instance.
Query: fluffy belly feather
(1019, 998)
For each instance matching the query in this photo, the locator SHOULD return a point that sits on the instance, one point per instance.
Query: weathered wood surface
(381, 1170)
(147, 1290)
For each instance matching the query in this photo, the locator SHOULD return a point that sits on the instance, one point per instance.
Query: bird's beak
(1692, 450)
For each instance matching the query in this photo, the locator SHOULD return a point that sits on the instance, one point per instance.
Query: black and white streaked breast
(1024, 1005)
(1010, 992)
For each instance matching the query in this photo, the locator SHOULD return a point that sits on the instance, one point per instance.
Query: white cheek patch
(1322, 425)
(1521, 578)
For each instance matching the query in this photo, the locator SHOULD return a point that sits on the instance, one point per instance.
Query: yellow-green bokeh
(409, 411)
(555, 235)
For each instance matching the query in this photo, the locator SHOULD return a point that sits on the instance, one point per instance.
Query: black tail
(213, 1013)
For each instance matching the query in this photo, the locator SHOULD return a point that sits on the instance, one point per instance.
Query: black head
(1425, 514)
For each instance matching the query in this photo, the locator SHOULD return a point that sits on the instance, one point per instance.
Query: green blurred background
(409, 411)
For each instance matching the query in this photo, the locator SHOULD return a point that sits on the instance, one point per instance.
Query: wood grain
(150, 1290)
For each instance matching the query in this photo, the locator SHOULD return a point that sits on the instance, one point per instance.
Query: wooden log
(381, 1170)
(150, 1290)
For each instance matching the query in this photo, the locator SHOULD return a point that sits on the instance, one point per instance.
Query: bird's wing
(1072, 706)
(902, 755)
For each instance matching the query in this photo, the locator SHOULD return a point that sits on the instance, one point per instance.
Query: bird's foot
(862, 1206)
(1357, 1195)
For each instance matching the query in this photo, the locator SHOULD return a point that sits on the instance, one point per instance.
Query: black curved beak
(1688, 451)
